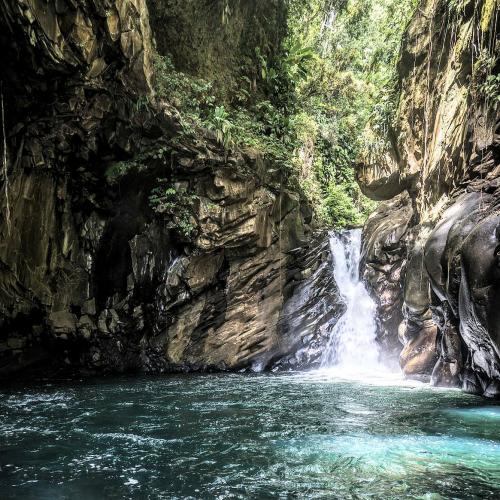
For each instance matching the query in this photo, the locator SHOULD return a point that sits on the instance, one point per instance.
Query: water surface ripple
(245, 436)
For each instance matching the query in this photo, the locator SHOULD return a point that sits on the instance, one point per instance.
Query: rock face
(430, 252)
(383, 263)
(312, 306)
(218, 277)
(216, 40)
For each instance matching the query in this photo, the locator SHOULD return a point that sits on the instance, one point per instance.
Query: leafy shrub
(176, 204)
(139, 162)
(191, 96)
(222, 126)
(339, 209)
(490, 89)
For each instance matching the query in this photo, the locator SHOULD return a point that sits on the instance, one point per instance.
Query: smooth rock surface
(446, 148)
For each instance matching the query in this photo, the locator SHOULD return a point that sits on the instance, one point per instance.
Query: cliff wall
(191, 257)
(430, 253)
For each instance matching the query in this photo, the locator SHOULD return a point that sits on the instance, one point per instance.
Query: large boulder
(384, 258)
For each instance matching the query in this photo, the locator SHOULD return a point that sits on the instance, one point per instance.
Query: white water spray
(352, 351)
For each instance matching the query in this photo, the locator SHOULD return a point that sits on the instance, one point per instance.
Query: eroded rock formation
(431, 252)
(90, 276)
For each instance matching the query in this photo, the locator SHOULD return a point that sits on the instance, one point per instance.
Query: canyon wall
(431, 249)
(92, 279)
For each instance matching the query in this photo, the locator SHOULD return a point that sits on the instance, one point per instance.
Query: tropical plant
(222, 126)
(327, 96)
(176, 205)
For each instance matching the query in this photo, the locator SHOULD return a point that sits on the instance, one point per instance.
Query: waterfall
(352, 349)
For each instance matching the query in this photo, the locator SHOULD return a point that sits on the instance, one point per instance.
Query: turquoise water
(245, 436)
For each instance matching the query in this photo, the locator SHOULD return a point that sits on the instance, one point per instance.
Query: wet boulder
(384, 259)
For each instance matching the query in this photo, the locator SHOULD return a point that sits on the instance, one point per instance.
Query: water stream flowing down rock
(352, 349)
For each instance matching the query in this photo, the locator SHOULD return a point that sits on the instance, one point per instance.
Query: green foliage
(349, 92)
(139, 162)
(176, 204)
(339, 208)
(118, 169)
(222, 126)
(491, 89)
(192, 96)
(142, 103)
(485, 82)
(329, 95)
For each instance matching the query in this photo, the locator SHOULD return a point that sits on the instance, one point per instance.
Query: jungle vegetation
(328, 95)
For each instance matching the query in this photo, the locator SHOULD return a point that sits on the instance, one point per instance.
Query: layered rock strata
(430, 252)
(91, 277)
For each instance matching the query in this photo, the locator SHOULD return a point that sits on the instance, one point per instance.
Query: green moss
(487, 14)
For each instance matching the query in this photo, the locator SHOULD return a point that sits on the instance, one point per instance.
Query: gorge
(249, 249)
(352, 429)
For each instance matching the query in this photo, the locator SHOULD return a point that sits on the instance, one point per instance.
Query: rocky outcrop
(312, 307)
(384, 261)
(217, 39)
(127, 244)
(444, 161)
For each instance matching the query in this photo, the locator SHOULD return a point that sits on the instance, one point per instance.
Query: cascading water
(352, 350)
